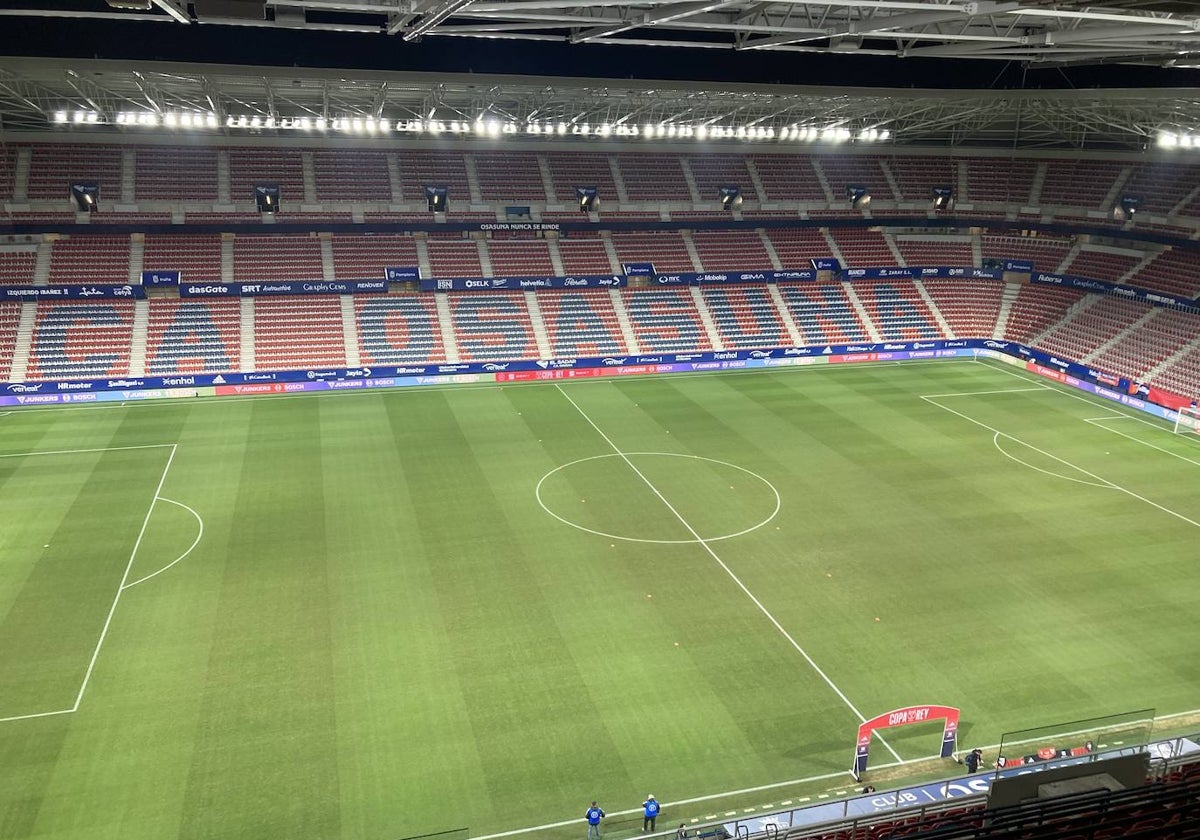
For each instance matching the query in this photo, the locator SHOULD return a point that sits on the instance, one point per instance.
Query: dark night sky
(76, 38)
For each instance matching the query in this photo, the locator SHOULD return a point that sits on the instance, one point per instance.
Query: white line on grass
(195, 542)
(708, 548)
(985, 393)
(85, 451)
(996, 442)
(37, 715)
(1095, 422)
(117, 598)
(235, 399)
(1106, 482)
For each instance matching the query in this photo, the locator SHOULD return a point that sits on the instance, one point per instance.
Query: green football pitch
(383, 615)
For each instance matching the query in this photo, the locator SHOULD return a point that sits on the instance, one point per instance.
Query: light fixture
(320, 123)
(60, 116)
(492, 128)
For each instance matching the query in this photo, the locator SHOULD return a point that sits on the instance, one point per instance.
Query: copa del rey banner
(902, 717)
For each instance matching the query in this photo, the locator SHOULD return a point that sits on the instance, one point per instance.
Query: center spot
(605, 496)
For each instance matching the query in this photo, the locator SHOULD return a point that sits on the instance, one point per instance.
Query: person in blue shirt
(650, 811)
(593, 816)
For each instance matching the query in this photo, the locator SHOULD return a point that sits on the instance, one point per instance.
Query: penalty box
(74, 519)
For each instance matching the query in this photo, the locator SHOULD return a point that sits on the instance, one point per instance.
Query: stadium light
(321, 124)
(60, 116)
(701, 132)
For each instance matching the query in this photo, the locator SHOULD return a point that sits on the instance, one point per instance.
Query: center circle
(704, 478)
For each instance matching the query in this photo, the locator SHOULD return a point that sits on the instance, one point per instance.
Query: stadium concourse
(350, 213)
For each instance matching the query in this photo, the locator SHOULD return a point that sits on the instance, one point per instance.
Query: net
(1188, 420)
(1075, 738)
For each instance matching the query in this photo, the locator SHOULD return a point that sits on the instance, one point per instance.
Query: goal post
(1187, 420)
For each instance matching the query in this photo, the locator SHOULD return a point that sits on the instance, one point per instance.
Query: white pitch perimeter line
(37, 715)
(85, 451)
(728, 570)
(117, 598)
(985, 393)
(1095, 422)
(195, 542)
(1105, 481)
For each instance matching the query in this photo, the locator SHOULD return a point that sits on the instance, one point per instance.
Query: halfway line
(721, 563)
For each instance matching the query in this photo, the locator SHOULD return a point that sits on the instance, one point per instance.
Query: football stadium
(416, 423)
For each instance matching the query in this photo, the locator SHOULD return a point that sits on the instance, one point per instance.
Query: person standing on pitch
(650, 811)
(593, 816)
(974, 757)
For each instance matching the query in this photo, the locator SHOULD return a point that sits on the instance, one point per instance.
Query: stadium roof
(1062, 32)
(97, 97)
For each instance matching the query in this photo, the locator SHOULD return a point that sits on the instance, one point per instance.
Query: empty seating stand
(53, 168)
(666, 250)
(731, 250)
(970, 307)
(863, 247)
(366, 257)
(897, 310)
(520, 258)
(81, 340)
(419, 168)
(269, 258)
(399, 328)
(90, 259)
(798, 247)
(581, 322)
(352, 175)
(711, 172)
(10, 317)
(1098, 321)
(454, 258)
(665, 320)
(284, 167)
(918, 176)
(1078, 183)
(842, 171)
(175, 173)
(654, 178)
(8, 171)
(1171, 271)
(16, 265)
(1139, 351)
(191, 336)
(1000, 180)
(1102, 265)
(197, 257)
(822, 313)
(509, 176)
(1046, 253)
(584, 255)
(789, 178)
(934, 251)
(1036, 309)
(298, 333)
(746, 316)
(492, 326)
(582, 169)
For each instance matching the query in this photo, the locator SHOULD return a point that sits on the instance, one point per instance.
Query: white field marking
(693, 801)
(85, 451)
(537, 491)
(195, 542)
(37, 715)
(117, 598)
(996, 442)
(985, 393)
(1109, 417)
(5, 413)
(1108, 483)
(708, 548)
(1139, 440)
(235, 399)
(1067, 391)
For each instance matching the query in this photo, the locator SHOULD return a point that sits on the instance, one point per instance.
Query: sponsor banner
(98, 291)
(1020, 266)
(947, 271)
(401, 274)
(879, 273)
(826, 264)
(793, 274)
(638, 269)
(161, 278)
(288, 287)
(518, 226)
(696, 278)
(902, 717)
(481, 284)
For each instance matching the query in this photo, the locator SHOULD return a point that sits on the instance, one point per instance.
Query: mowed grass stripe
(264, 762)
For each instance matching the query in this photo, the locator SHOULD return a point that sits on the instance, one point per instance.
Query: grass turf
(384, 631)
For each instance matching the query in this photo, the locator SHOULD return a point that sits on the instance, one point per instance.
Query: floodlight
(943, 198)
(493, 128)
(731, 197)
(79, 116)
(211, 121)
(701, 132)
(60, 116)
(437, 198)
(266, 197)
(86, 197)
(562, 128)
(1125, 208)
(255, 121)
(589, 201)
(321, 124)
(92, 116)
(859, 195)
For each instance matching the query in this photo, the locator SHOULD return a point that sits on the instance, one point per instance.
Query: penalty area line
(708, 548)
